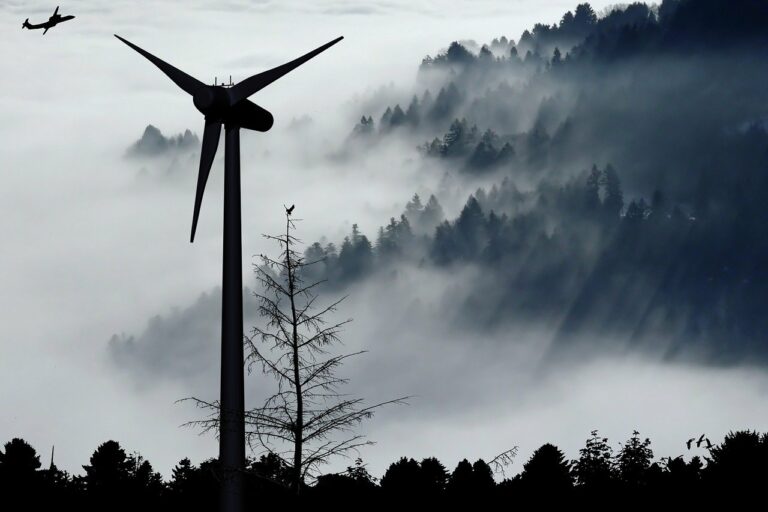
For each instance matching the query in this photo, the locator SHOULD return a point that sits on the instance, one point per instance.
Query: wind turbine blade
(210, 144)
(180, 78)
(257, 82)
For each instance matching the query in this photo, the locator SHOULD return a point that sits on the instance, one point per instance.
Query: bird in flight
(688, 442)
(54, 20)
(290, 210)
(701, 440)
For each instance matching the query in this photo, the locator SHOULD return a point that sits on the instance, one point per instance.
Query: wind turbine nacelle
(215, 103)
(250, 116)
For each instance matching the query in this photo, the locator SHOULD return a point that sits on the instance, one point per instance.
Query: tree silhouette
(585, 16)
(526, 42)
(356, 255)
(458, 54)
(595, 468)
(398, 117)
(272, 468)
(109, 470)
(434, 476)
(445, 104)
(485, 154)
(120, 481)
(614, 197)
(739, 467)
(547, 477)
(18, 457)
(593, 190)
(386, 119)
(557, 58)
(423, 218)
(364, 128)
(414, 209)
(307, 421)
(413, 114)
(506, 154)
(633, 460)
(146, 484)
(18, 472)
(402, 478)
(461, 480)
(482, 477)
(183, 479)
(355, 484)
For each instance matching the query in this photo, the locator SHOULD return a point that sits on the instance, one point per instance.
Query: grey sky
(91, 248)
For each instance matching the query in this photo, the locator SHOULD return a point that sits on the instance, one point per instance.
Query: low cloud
(473, 394)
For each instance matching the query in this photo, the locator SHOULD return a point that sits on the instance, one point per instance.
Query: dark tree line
(731, 475)
(477, 152)
(582, 255)
(426, 111)
(402, 239)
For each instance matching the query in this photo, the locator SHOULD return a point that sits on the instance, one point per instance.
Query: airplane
(54, 20)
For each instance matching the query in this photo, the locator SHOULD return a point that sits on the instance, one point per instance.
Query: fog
(472, 394)
(96, 243)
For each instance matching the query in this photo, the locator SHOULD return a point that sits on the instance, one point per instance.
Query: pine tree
(585, 17)
(433, 214)
(506, 154)
(592, 200)
(413, 115)
(613, 202)
(557, 58)
(386, 119)
(547, 473)
(455, 140)
(398, 117)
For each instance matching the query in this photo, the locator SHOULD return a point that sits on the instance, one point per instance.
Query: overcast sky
(92, 246)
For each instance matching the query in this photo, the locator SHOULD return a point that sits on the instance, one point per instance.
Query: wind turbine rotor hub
(211, 100)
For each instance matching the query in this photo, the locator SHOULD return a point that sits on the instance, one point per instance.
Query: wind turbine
(229, 106)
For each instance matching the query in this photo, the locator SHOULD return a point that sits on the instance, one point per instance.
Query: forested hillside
(629, 156)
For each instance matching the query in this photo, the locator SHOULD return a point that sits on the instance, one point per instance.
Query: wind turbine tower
(228, 105)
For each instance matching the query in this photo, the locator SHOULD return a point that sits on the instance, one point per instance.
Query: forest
(619, 163)
(731, 475)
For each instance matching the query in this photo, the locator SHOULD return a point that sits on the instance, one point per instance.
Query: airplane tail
(25, 24)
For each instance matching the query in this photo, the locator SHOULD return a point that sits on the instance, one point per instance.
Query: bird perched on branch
(289, 210)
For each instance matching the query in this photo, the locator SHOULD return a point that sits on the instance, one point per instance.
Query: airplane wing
(46, 30)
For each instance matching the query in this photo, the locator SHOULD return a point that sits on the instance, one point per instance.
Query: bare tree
(500, 462)
(307, 420)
